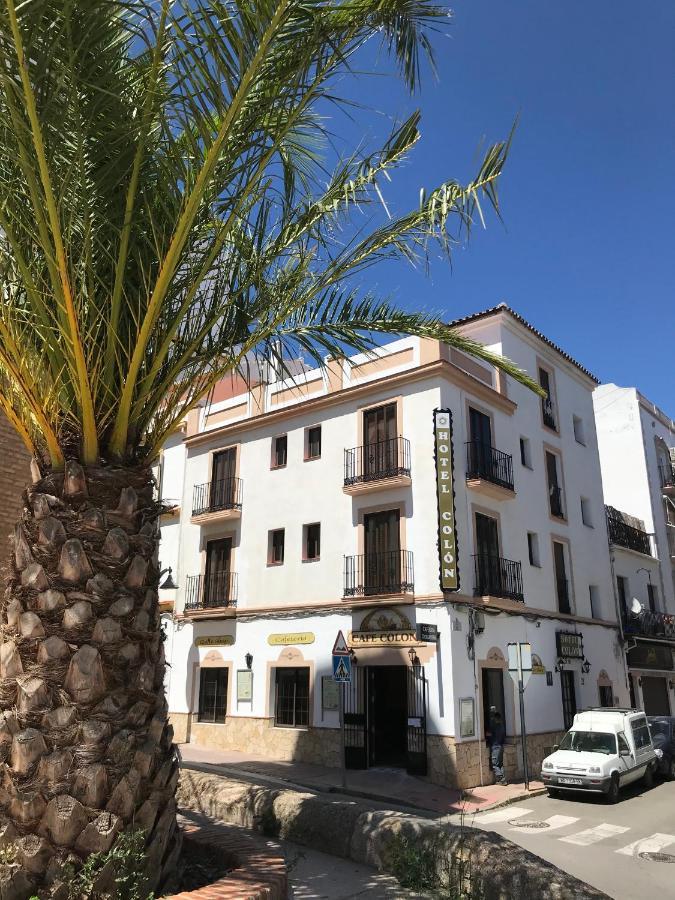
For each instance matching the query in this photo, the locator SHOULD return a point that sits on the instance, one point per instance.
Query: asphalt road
(596, 842)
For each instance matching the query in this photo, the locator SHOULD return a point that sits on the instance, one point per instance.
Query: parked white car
(604, 750)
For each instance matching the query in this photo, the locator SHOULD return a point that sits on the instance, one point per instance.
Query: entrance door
(493, 695)
(655, 696)
(488, 568)
(416, 743)
(382, 561)
(222, 479)
(356, 731)
(569, 697)
(387, 715)
(481, 442)
(380, 450)
(217, 572)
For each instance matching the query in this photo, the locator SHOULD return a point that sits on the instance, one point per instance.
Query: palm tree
(166, 211)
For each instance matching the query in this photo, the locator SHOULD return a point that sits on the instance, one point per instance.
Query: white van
(604, 750)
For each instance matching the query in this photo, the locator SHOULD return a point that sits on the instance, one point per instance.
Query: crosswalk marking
(652, 844)
(593, 835)
(553, 822)
(504, 814)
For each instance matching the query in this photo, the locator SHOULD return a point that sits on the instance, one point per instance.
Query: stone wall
(15, 476)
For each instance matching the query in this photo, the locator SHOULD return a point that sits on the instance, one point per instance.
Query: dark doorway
(655, 696)
(569, 697)
(493, 695)
(388, 712)
(217, 572)
(382, 569)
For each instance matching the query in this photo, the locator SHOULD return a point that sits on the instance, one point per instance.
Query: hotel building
(310, 505)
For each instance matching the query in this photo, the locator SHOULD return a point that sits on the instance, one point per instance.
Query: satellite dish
(636, 607)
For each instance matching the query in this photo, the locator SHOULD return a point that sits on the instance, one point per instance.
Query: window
(641, 734)
(652, 595)
(212, 695)
(547, 410)
(312, 542)
(561, 582)
(533, 548)
(622, 590)
(313, 442)
(586, 512)
(555, 500)
(525, 454)
(291, 707)
(279, 451)
(606, 695)
(594, 595)
(623, 746)
(578, 425)
(276, 547)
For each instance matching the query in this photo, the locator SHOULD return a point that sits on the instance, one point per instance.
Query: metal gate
(416, 762)
(356, 750)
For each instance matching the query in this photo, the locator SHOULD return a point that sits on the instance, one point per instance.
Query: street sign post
(342, 669)
(342, 675)
(340, 647)
(520, 669)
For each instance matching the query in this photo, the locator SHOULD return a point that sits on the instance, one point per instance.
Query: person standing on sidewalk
(497, 737)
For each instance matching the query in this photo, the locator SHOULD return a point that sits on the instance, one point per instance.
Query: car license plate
(570, 781)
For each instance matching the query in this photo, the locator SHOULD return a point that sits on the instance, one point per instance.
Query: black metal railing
(667, 474)
(214, 496)
(547, 412)
(562, 588)
(555, 501)
(371, 574)
(649, 624)
(624, 535)
(383, 459)
(484, 461)
(215, 590)
(498, 577)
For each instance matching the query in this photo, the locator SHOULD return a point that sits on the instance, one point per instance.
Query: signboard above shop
(569, 644)
(292, 637)
(215, 640)
(426, 633)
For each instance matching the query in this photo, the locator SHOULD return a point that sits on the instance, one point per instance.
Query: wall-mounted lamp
(168, 584)
(559, 663)
(352, 656)
(249, 660)
(414, 661)
(585, 666)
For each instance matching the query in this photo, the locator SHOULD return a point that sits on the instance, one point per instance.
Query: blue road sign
(342, 669)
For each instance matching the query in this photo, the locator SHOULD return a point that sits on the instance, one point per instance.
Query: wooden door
(382, 558)
(217, 572)
(222, 478)
(380, 454)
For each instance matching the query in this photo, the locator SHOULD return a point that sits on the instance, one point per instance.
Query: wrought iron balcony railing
(484, 461)
(563, 594)
(214, 496)
(212, 591)
(649, 624)
(498, 577)
(383, 459)
(624, 535)
(667, 474)
(555, 500)
(548, 412)
(372, 574)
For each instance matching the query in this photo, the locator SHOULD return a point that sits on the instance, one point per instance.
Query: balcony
(649, 624)
(667, 476)
(372, 467)
(209, 592)
(548, 413)
(215, 501)
(498, 577)
(489, 471)
(379, 574)
(555, 501)
(562, 590)
(623, 535)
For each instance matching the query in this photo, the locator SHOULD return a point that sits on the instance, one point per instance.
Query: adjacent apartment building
(636, 441)
(310, 505)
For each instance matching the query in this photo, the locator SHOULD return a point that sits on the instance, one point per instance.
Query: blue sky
(586, 252)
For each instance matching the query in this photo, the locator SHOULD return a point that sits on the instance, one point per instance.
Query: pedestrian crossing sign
(342, 669)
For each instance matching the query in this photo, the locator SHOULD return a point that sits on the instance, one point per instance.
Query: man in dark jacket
(497, 737)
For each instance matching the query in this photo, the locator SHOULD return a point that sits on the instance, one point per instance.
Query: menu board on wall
(447, 528)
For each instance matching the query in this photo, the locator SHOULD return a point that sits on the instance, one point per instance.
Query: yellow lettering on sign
(381, 638)
(293, 637)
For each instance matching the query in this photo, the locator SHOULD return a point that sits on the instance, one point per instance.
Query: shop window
(291, 707)
(313, 442)
(312, 541)
(279, 451)
(212, 695)
(276, 547)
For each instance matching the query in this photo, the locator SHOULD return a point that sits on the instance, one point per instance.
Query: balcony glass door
(380, 456)
(480, 429)
(222, 479)
(561, 583)
(487, 555)
(382, 560)
(217, 572)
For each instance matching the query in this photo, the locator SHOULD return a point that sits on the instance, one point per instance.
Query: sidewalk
(392, 786)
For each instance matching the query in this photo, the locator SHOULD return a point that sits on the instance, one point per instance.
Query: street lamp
(168, 584)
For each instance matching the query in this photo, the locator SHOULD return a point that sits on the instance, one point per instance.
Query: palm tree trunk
(85, 748)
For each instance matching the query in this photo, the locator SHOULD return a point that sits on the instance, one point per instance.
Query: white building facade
(311, 506)
(636, 441)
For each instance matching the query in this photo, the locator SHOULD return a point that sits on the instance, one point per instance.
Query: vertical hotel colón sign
(447, 530)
